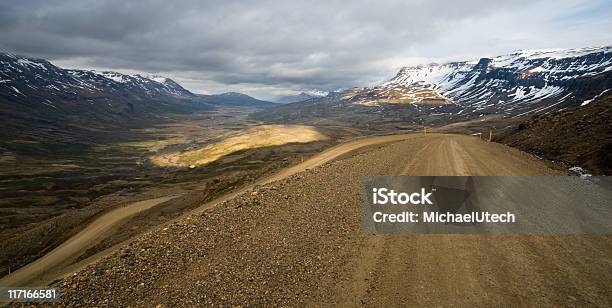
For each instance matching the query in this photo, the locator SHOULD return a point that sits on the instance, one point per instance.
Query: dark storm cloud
(291, 44)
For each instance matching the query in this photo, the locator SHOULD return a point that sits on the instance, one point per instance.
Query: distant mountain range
(236, 99)
(522, 83)
(302, 96)
(40, 101)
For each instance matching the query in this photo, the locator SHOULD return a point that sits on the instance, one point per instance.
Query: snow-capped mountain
(522, 83)
(40, 86)
(526, 81)
(39, 98)
(21, 75)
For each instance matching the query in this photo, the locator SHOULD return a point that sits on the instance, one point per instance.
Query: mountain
(37, 84)
(302, 96)
(526, 81)
(44, 103)
(235, 99)
(22, 78)
(521, 83)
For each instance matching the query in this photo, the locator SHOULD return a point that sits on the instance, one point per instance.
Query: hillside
(579, 136)
(45, 104)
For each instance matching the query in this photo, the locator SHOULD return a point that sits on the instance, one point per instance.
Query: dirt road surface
(297, 241)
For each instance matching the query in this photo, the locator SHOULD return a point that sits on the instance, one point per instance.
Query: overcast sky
(270, 48)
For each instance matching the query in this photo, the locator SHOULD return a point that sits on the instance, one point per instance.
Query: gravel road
(297, 241)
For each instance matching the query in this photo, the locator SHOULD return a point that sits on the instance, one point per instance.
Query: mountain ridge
(518, 84)
(521, 76)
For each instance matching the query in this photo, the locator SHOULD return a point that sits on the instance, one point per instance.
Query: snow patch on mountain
(113, 76)
(300, 97)
(158, 78)
(594, 98)
(26, 62)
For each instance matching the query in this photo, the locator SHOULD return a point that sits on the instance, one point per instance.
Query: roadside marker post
(490, 134)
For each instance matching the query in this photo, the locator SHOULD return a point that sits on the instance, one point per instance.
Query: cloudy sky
(276, 47)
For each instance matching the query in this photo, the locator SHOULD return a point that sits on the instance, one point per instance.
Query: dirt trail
(43, 269)
(298, 242)
(58, 262)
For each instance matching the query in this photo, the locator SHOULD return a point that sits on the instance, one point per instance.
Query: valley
(48, 200)
(102, 172)
(305, 153)
(78, 144)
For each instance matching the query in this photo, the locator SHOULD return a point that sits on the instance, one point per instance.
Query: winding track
(43, 269)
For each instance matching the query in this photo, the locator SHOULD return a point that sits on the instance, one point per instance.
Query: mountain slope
(36, 91)
(525, 81)
(22, 78)
(579, 137)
